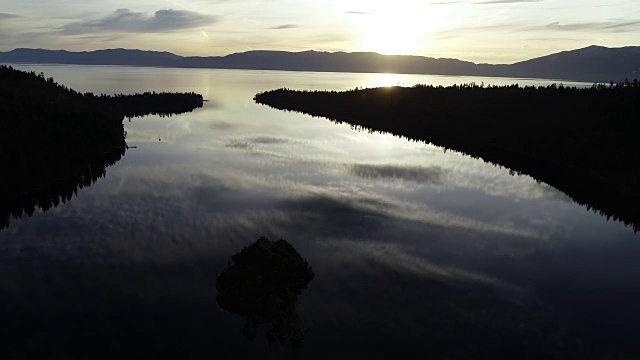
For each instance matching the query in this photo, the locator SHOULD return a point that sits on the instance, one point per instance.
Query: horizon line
(318, 51)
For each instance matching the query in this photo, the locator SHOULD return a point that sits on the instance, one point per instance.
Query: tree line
(54, 140)
(583, 141)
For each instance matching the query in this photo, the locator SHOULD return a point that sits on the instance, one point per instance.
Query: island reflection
(262, 283)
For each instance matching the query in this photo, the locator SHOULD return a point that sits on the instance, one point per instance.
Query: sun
(398, 30)
(390, 34)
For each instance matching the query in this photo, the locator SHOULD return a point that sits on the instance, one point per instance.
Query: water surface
(414, 249)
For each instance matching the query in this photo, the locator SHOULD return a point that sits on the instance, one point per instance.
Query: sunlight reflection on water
(378, 217)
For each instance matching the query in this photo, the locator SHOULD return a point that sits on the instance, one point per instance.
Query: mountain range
(590, 64)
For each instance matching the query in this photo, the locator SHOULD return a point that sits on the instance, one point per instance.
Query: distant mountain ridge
(590, 64)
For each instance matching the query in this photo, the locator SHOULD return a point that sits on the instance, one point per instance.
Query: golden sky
(493, 31)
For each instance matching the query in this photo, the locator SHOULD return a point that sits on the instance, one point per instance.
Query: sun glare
(380, 80)
(393, 29)
(390, 34)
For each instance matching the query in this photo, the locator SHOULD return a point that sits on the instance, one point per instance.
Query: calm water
(415, 251)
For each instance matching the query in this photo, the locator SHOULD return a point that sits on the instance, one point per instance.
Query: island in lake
(55, 140)
(262, 283)
(583, 141)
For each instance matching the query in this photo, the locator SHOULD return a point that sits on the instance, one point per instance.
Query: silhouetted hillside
(594, 63)
(591, 64)
(54, 140)
(99, 57)
(584, 142)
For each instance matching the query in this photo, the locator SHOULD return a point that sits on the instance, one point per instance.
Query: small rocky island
(262, 283)
(54, 140)
(582, 141)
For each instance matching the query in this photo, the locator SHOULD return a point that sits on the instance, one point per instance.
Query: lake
(416, 251)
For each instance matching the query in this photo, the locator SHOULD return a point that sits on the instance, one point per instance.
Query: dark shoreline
(580, 141)
(55, 141)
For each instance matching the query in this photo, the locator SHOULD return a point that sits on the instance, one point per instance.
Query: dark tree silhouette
(262, 283)
(584, 141)
(54, 140)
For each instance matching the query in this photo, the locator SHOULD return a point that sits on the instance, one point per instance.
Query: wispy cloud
(506, 2)
(357, 13)
(606, 26)
(485, 2)
(423, 175)
(615, 26)
(285, 26)
(248, 142)
(5, 16)
(394, 256)
(125, 20)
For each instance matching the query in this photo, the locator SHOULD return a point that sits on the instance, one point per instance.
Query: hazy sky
(476, 30)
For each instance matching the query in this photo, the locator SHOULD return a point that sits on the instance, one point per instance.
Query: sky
(483, 31)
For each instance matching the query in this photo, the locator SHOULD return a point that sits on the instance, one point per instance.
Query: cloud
(335, 210)
(357, 13)
(614, 26)
(486, 2)
(8, 16)
(605, 26)
(238, 145)
(269, 140)
(6, 19)
(395, 257)
(125, 20)
(285, 26)
(507, 2)
(555, 38)
(422, 175)
(246, 143)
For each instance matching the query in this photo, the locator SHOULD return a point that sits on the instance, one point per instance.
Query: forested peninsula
(582, 141)
(55, 140)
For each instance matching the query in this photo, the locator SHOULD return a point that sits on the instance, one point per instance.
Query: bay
(415, 250)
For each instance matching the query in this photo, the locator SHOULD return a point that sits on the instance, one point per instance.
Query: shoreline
(467, 119)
